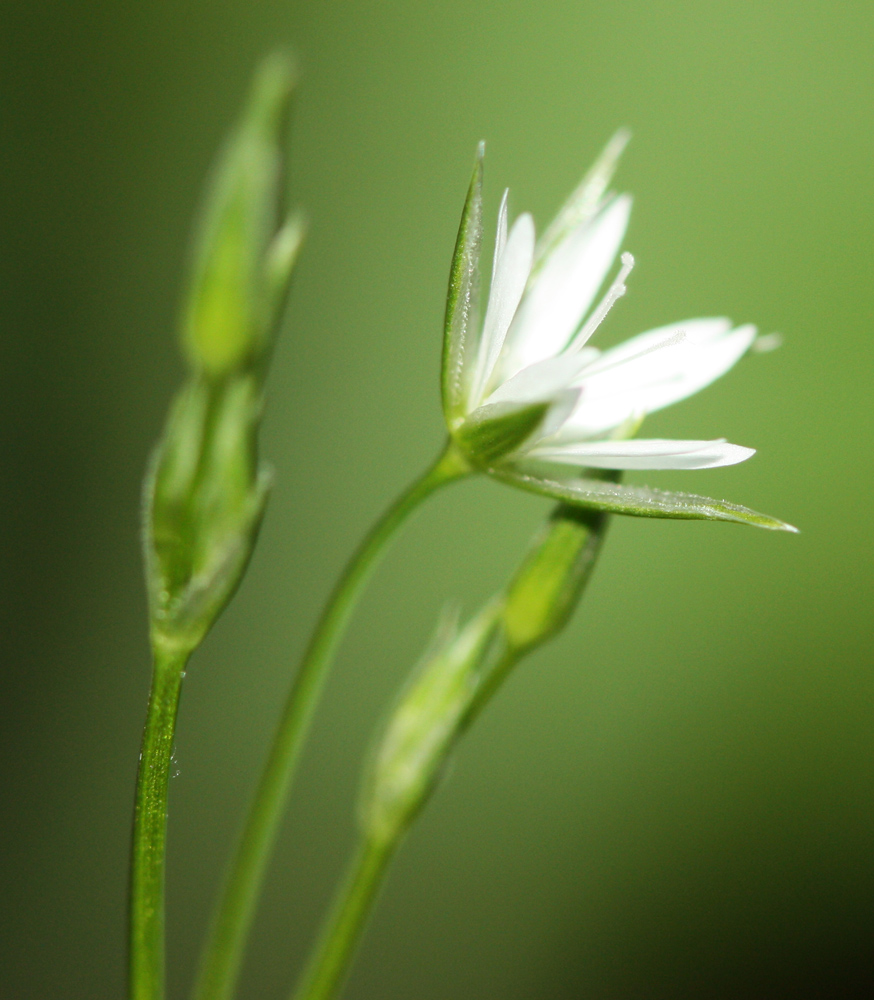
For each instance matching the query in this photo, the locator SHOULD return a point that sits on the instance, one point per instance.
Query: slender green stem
(344, 926)
(536, 604)
(343, 929)
(150, 828)
(224, 952)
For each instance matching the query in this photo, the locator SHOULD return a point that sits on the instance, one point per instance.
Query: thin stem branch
(224, 952)
(554, 575)
(345, 924)
(150, 828)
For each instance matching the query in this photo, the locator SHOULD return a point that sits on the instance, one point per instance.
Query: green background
(675, 798)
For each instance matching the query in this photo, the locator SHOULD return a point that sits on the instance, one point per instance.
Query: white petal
(638, 377)
(695, 331)
(645, 454)
(513, 257)
(543, 379)
(558, 297)
(561, 409)
(501, 235)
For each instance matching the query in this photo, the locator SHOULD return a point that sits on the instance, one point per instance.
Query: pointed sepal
(462, 299)
(204, 499)
(585, 200)
(637, 501)
(496, 430)
(279, 263)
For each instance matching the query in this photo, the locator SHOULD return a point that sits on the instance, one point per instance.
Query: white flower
(526, 394)
(534, 349)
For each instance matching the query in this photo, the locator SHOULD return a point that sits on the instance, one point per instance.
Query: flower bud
(465, 666)
(205, 496)
(545, 590)
(424, 725)
(232, 300)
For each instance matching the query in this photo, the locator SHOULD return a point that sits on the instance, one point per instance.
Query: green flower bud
(205, 496)
(427, 719)
(238, 278)
(545, 590)
(465, 666)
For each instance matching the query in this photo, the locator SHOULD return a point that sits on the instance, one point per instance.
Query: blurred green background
(676, 798)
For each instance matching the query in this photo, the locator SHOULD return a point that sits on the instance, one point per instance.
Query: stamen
(671, 341)
(614, 293)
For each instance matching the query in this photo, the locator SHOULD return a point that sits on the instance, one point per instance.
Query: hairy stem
(150, 828)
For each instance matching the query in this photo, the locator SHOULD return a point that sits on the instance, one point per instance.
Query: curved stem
(224, 952)
(150, 827)
(345, 924)
(548, 585)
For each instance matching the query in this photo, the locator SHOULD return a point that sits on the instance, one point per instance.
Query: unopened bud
(230, 308)
(205, 497)
(424, 725)
(543, 593)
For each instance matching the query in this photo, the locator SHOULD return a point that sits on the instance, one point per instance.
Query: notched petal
(642, 453)
(510, 275)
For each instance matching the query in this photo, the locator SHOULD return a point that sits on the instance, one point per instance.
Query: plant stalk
(150, 827)
(223, 955)
(549, 585)
(342, 931)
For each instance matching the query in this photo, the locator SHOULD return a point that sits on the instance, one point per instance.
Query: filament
(614, 293)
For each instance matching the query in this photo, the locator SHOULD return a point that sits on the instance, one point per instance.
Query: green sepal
(279, 262)
(462, 298)
(496, 430)
(638, 501)
(229, 308)
(204, 498)
(582, 204)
